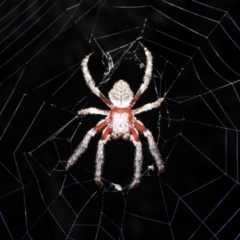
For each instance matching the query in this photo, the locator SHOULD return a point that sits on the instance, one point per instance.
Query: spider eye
(121, 94)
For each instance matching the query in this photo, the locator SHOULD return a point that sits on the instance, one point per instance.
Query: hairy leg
(84, 144)
(91, 83)
(137, 162)
(154, 151)
(148, 106)
(99, 161)
(147, 75)
(152, 145)
(100, 155)
(92, 111)
(80, 148)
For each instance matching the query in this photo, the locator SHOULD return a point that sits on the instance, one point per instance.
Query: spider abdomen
(120, 119)
(120, 125)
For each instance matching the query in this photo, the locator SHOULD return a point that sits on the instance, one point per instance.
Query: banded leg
(154, 151)
(100, 155)
(147, 75)
(148, 106)
(84, 144)
(91, 83)
(92, 111)
(138, 157)
(152, 145)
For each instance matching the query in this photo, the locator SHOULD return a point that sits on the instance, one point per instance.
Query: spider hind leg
(81, 148)
(100, 155)
(138, 158)
(154, 151)
(152, 145)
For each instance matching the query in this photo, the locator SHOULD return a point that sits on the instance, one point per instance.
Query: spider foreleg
(148, 106)
(87, 76)
(91, 83)
(84, 144)
(147, 75)
(100, 156)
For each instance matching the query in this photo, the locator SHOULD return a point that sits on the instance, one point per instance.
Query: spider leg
(100, 155)
(148, 106)
(152, 145)
(147, 75)
(84, 144)
(91, 83)
(138, 157)
(92, 111)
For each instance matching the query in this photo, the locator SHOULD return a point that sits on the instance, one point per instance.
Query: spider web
(196, 49)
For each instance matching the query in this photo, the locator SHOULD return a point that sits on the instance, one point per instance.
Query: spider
(120, 121)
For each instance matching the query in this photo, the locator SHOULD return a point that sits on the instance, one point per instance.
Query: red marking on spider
(120, 121)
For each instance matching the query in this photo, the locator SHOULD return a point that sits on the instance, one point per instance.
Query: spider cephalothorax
(120, 121)
(121, 94)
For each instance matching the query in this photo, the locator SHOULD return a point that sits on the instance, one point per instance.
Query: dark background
(195, 47)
